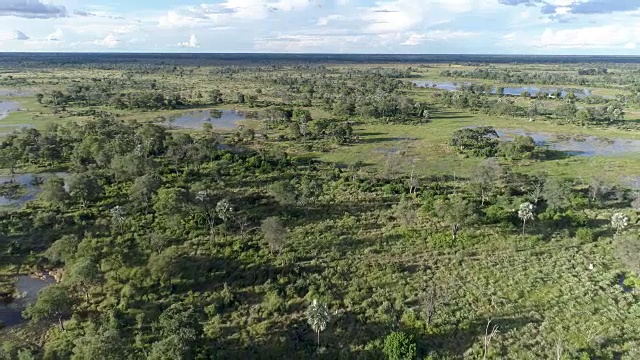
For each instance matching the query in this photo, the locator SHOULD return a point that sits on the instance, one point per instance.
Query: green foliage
(85, 188)
(479, 141)
(556, 192)
(172, 262)
(63, 249)
(275, 233)
(53, 191)
(54, 303)
(521, 147)
(400, 346)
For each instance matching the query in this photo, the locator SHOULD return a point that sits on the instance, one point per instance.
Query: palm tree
(318, 317)
(525, 213)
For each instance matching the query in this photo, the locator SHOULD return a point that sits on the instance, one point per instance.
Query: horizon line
(309, 53)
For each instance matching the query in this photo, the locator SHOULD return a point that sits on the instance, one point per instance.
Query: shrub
(400, 346)
(585, 234)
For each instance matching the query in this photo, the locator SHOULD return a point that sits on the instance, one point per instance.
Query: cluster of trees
(483, 142)
(150, 217)
(567, 112)
(517, 76)
(593, 71)
(365, 93)
(88, 95)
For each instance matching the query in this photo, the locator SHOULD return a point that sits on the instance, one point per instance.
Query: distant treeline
(75, 59)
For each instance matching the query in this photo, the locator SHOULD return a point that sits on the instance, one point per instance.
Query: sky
(600, 27)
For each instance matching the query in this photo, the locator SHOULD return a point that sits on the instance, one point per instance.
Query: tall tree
(318, 317)
(275, 233)
(53, 303)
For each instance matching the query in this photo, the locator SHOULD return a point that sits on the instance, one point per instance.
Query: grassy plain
(553, 288)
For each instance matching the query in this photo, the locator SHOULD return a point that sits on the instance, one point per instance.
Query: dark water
(222, 119)
(26, 292)
(578, 145)
(29, 187)
(625, 288)
(512, 91)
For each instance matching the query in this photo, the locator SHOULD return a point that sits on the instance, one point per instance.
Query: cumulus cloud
(109, 41)
(192, 43)
(325, 20)
(596, 37)
(33, 9)
(57, 35)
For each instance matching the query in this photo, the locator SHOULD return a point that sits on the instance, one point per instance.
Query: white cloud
(325, 20)
(227, 12)
(509, 36)
(192, 43)
(19, 35)
(607, 36)
(314, 43)
(58, 35)
(437, 35)
(109, 41)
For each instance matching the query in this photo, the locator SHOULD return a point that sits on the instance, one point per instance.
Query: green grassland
(380, 255)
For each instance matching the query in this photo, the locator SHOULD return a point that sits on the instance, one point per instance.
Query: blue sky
(329, 26)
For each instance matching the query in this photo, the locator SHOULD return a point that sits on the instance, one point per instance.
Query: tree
(485, 177)
(180, 332)
(457, 211)
(224, 210)
(556, 192)
(63, 249)
(53, 191)
(635, 204)
(275, 233)
(480, 141)
(619, 222)
(584, 117)
(283, 192)
(215, 97)
(400, 346)
(170, 206)
(144, 189)
(179, 149)
(167, 265)
(525, 213)
(83, 273)
(318, 317)
(597, 189)
(130, 166)
(102, 344)
(54, 302)
(205, 201)
(9, 158)
(405, 211)
(522, 147)
(152, 138)
(118, 218)
(84, 187)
